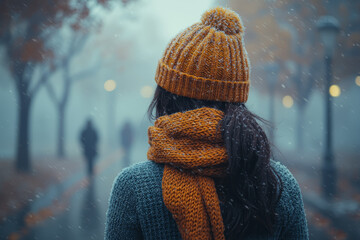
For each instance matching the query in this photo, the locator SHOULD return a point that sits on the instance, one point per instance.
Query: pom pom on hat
(223, 19)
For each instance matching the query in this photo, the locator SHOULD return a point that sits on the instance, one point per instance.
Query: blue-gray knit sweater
(137, 210)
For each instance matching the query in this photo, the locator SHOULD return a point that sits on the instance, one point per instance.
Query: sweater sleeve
(296, 225)
(122, 220)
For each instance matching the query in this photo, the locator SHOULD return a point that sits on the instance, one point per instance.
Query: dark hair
(249, 193)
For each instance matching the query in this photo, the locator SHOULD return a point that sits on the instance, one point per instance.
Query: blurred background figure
(89, 143)
(126, 141)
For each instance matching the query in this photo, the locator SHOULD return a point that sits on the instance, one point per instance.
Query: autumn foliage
(27, 30)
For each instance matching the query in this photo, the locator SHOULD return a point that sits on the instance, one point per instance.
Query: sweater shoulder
(290, 200)
(143, 170)
(287, 178)
(138, 176)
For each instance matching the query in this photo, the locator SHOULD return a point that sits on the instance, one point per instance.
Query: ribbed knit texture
(191, 146)
(137, 211)
(208, 60)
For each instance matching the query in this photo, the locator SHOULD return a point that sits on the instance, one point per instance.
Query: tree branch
(42, 80)
(86, 72)
(51, 93)
(77, 43)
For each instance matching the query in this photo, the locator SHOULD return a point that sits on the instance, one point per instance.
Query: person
(210, 175)
(88, 141)
(126, 140)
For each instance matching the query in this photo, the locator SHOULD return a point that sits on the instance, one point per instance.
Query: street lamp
(288, 101)
(357, 80)
(273, 69)
(147, 91)
(328, 28)
(110, 87)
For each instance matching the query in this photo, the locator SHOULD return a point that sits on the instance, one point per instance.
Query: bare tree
(76, 34)
(302, 70)
(302, 84)
(25, 29)
(77, 42)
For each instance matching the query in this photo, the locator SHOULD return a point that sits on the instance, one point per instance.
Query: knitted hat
(208, 60)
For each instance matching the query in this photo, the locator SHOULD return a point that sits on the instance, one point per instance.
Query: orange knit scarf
(191, 147)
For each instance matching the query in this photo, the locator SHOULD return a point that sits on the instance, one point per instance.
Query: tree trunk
(61, 132)
(61, 152)
(23, 163)
(300, 128)
(272, 115)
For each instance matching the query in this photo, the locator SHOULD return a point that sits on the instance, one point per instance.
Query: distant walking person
(126, 141)
(89, 140)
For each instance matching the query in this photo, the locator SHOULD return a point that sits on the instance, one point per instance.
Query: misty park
(78, 76)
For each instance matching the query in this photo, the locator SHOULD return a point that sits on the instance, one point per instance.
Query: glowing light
(109, 85)
(147, 91)
(288, 101)
(335, 90)
(357, 80)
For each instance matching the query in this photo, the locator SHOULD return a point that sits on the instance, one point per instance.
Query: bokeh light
(288, 101)
(357, 80)
(147, 91)
(335, 90)
(109, 85)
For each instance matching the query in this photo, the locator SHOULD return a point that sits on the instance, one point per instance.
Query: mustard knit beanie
(208, 60)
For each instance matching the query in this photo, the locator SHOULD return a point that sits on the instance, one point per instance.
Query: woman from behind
(210, 175)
